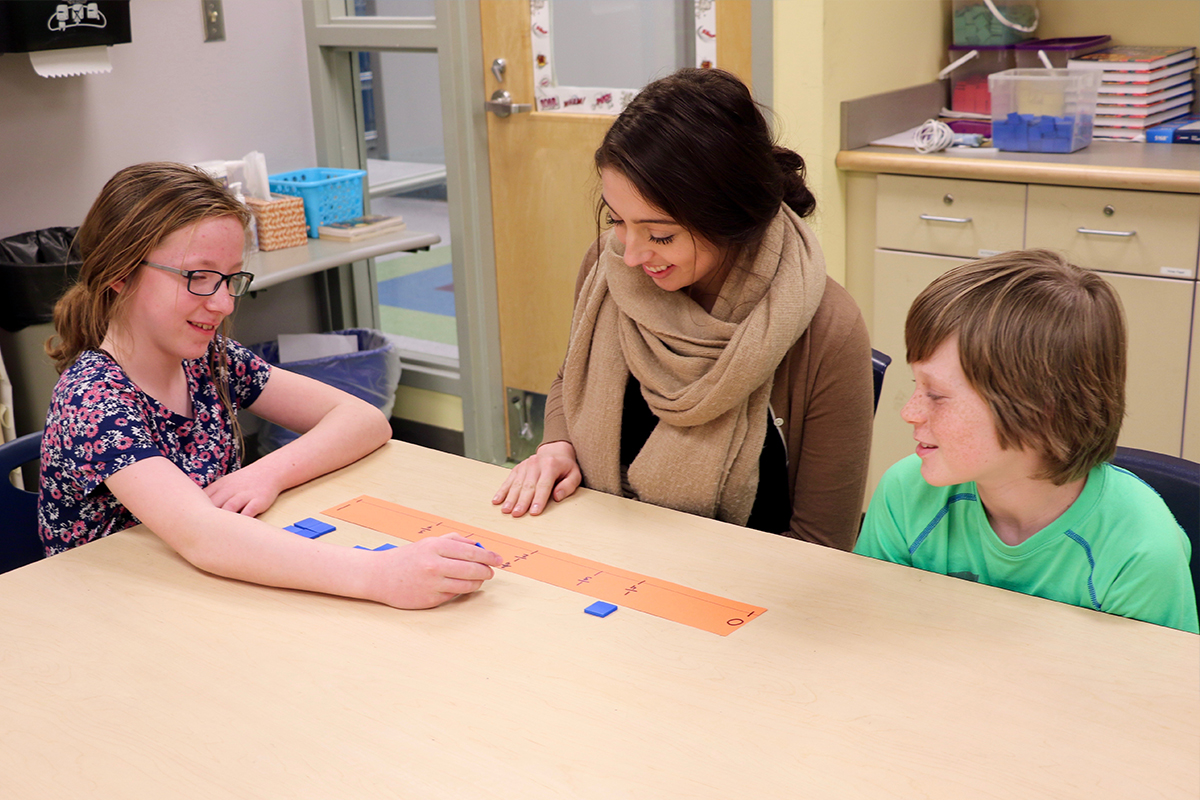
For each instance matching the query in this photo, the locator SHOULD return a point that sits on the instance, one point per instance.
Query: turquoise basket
(330, 195)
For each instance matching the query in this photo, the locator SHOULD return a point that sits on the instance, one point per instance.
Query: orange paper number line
(592, 578)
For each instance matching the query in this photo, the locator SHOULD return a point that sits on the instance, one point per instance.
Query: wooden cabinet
(1146, 233)
(899, 278)
(949, 217)
(1158, 315)
(1191, 417)
(1143, 243)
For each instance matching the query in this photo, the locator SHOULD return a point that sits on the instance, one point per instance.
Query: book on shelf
(1144, 111)
(1135, 89)
(1185, 129)
(1119, 134)
(352, 230)
(1133, 58)
(1104, 121)
(1183, 69)
(1151, 99)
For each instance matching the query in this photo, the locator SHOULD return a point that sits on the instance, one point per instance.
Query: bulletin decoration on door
(604, 582)
(600, 100)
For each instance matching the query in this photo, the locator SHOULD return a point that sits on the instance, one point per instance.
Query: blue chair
(1177, 482)
(19, 542)
(879, 365)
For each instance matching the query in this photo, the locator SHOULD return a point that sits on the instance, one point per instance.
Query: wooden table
(126, 673)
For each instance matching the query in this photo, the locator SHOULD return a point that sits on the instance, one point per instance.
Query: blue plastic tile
(301, 531)
(316, 526)
(600, 609)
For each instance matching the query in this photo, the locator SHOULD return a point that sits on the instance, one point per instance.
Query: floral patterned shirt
(100, 422)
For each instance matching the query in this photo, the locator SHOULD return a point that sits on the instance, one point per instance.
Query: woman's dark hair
(696, 145)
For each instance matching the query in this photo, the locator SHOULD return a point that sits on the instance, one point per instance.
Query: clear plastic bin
(1058, 51)
(1043, 110)
(969, 80)
(998, 22)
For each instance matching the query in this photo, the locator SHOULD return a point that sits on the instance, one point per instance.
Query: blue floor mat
(430, 290)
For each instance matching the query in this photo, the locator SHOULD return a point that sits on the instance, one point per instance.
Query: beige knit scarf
(706, 376)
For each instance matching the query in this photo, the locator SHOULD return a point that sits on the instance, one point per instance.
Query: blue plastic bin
(330, 195)
(372, 374)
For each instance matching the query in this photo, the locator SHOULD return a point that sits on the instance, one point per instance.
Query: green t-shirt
(1117, 548)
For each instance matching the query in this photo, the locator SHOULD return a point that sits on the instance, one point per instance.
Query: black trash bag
(36, 267)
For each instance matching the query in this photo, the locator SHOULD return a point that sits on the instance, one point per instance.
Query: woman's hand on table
(431, 571)
(550, 472)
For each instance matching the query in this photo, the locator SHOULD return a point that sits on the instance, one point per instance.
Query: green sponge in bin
(330, 195)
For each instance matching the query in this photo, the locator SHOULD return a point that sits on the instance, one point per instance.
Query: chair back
(19, 541)
(1177, 482)
(879, 365)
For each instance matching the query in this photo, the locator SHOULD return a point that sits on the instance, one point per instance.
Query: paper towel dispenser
(33, 25)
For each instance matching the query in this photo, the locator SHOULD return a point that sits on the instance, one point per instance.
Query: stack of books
(1143, 86)
(352, 230)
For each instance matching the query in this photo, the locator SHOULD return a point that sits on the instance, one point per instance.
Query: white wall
(170, 96)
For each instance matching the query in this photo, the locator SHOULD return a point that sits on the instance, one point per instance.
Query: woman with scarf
(712, 366)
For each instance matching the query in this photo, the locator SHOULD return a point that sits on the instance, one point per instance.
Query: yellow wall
(827, 51)
(1171, 22)
(432, 408)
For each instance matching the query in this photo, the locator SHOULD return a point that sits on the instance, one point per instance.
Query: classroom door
(544, 192)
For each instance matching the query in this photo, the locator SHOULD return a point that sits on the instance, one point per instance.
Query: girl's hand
(431, 571)
(552, 468)
(247, 491)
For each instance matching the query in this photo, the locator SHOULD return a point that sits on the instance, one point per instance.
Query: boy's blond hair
(1043, 343)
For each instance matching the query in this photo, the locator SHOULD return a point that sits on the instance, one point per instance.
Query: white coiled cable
(933, 136)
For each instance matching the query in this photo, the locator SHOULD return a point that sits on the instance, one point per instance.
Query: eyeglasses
(205, 282)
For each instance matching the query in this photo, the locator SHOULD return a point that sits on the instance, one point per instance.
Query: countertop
(1117, 165)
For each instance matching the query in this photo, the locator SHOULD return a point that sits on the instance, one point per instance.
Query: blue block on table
(316, 526)
(1021, 140)
(307, 534)
(600, 609)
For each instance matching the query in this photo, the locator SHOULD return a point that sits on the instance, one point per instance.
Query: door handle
(1105, 233)
(932, 218)
(502, 105)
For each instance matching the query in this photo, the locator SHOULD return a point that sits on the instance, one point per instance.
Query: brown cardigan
(822, 401)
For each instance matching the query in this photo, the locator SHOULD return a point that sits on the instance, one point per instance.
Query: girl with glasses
(142, 425)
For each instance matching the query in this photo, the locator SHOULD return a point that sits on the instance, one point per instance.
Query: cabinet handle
(932, 218)
(1106, 233)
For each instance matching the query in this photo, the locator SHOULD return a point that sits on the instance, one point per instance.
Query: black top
(772, 511)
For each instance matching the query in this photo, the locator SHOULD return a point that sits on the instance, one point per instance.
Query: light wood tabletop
(127, 673)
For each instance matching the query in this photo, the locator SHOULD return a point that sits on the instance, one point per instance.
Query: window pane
(618, 43)
(394, 8)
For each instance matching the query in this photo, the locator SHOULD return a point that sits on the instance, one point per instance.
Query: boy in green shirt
(1019, 362)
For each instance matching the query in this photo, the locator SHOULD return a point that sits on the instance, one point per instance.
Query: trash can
(35, 268)
(371, 372)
